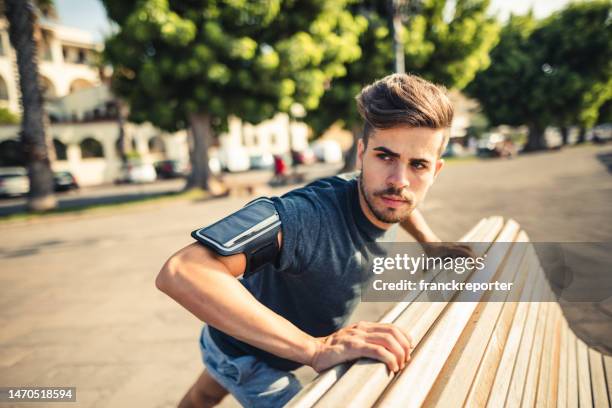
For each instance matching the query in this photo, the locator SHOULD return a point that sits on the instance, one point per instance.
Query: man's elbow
(166, 277)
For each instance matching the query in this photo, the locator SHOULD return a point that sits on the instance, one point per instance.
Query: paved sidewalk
(78, 305)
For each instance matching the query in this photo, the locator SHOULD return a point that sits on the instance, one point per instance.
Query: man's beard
(388, 215)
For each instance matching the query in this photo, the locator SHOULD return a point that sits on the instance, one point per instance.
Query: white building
(66, 63)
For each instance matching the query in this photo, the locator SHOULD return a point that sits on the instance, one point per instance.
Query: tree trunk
(535, 139)
(202, 133)
(350, 158)
(564, 135)
(125, 141)
(20, 15)
(581, 135)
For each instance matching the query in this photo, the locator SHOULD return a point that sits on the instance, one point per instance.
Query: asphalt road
(78, 305)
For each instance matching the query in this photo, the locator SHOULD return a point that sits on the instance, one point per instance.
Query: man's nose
(398, 178)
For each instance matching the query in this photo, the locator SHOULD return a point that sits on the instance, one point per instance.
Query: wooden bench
(509, 352)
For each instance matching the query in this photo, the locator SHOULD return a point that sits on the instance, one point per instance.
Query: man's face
(397, 168)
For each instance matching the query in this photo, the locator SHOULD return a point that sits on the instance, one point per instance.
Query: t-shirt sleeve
(300, 216)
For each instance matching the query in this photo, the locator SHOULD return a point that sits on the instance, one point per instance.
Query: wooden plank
(490, 386)
(598, 379)
(535, 317)
(585, 399)
(501, 383)
(572, 371)
(563, 352)
(608, 368)
(413, 384)
(456, 378)
(535, 359)
(546, 395)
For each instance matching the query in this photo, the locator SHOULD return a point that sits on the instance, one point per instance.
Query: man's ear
(439, 166)
(360, 151)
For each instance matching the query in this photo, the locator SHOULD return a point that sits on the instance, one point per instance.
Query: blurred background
(126, 125)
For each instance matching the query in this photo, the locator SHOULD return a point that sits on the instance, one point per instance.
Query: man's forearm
(416, 226)
(219, 299)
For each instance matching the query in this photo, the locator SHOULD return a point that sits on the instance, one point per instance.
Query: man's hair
(404, 100)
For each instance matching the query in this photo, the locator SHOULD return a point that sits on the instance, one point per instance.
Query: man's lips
(393, 201)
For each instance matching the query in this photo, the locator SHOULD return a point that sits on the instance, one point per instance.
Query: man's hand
(378, 341)
(445, 249)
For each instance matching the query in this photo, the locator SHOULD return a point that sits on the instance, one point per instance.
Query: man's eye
(419, 166)
(385, 157)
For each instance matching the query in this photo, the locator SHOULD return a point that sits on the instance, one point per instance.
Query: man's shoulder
(329, 185)
(321, 197)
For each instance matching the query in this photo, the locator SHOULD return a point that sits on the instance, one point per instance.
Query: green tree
(195, 63)
(577, 61)
(22, 19)
(442, 46)
(505, 89)
(554, 72)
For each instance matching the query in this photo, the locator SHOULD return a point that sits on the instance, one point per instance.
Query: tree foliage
(447, 48)
(245, 58)
(552, 72)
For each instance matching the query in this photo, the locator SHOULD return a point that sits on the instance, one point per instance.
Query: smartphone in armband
(252, 230)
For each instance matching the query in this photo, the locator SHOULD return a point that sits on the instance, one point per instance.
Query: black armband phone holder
(252, 230)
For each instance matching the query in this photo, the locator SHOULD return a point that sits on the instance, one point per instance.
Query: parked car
(328, 151)
(137, 173)
(305, 156)
(167, 169)
(214, 164)
(234, 159)
(263, 161)
(64, 181)
(14, 181)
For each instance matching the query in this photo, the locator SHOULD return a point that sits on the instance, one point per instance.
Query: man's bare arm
(416, 226)
(206, 285)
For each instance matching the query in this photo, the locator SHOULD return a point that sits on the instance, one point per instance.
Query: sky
(90, 15)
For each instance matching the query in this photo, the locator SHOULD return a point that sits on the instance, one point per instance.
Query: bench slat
(608, 367)
(546, 394)
(563, 353)
(572, 371)
(598, 380)
(513, 317)
(535, 359)
(584, 375)
(517, 381)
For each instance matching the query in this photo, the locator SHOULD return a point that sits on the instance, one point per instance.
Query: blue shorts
(251, 381)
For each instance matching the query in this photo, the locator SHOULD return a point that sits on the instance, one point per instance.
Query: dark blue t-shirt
(316, 282)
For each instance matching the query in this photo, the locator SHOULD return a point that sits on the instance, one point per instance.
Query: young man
(291, 312)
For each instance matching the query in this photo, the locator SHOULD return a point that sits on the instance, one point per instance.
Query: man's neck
(365, 208)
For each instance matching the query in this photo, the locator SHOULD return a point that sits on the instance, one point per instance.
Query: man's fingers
(404, 339)
(389, 342)
(379, 353)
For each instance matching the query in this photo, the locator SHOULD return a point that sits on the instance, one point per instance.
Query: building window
(91, 148)
(81, 58)
(47, 88)
(60, 150)
(79, 84)
(156, 145)
(11, 154)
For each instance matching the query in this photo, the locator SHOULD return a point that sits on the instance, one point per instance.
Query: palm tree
(21, 15)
